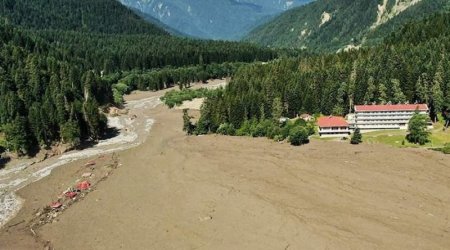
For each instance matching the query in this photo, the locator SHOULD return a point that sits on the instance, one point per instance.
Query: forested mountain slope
(413, 65)
(332, 25)
(44, 98)
(213, 19)
(53, 55)
(106, 16)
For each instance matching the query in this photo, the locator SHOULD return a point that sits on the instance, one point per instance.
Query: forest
(61, 61)
(100, 16)
(411, 66)
(158, 79)
(43, 99)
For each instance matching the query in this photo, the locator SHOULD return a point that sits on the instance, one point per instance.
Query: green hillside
(106, 16)
(331, 25)
(411, 66)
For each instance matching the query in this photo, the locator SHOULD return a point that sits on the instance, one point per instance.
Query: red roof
(394, 107)
(332, 121)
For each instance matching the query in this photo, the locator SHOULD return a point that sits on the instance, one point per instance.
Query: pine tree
(398, 96)
(277, 109)
(71, 134)
(382, 94)
(371, 90)
(422, 89)
(352, 86)
(340, 103)
(356, 137)
(17, 136)
(436, 91)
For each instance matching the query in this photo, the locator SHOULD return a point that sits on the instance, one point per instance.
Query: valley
(136, 124)
(219, 20)
(223, 192)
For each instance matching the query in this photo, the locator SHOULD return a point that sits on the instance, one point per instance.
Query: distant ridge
(213, 19)
(332, 25)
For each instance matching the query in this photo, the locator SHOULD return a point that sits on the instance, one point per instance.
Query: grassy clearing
(396, 138)
(177, 97)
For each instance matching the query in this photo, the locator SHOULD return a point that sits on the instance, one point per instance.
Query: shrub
(226, 129)
(273, 132)
(446, 148)
(298, 136)
(245, 129)
(262, 128)
(188, 127)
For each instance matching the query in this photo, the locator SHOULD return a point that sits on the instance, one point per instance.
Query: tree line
(51, 90)
(158, 79)
(43, 99)
(113, 52)
(411, 66)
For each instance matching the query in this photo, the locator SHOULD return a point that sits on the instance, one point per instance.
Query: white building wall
(383, 119)
(334, 132)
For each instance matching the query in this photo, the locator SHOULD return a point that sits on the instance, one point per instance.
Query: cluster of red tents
(82, 186)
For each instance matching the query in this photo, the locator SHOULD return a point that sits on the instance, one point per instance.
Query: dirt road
(216, 192)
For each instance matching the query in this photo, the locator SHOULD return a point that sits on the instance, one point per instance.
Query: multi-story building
(332, 126)
(376, 117)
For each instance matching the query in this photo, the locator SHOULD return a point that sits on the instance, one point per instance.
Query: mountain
(159, 24)
(331, 25)
(103, 16)
(213, 19)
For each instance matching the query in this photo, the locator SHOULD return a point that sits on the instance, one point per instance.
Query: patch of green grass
(438, 137)
(177, 97)
(317, 137)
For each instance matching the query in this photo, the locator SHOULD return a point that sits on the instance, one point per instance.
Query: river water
(134, 128)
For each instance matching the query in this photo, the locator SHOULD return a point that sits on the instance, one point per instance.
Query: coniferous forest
(54, 56)
(412, 65)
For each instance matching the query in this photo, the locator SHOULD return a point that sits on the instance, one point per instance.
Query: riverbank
(133, 129)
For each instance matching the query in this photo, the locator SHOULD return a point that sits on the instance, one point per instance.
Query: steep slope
(226, 19)
(105, 16)
(331, 25)
(159, 24)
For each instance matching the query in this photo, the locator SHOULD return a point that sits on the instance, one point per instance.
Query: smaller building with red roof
(333, 126)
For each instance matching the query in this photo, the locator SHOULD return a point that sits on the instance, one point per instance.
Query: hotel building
(376, 117)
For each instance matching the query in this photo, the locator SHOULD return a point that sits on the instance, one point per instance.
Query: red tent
(70, 195)
(56, 205)
(83, 185)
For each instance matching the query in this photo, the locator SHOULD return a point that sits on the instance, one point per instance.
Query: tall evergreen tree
(417, 128)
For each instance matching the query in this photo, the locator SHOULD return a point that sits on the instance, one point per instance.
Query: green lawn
(395, 138)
